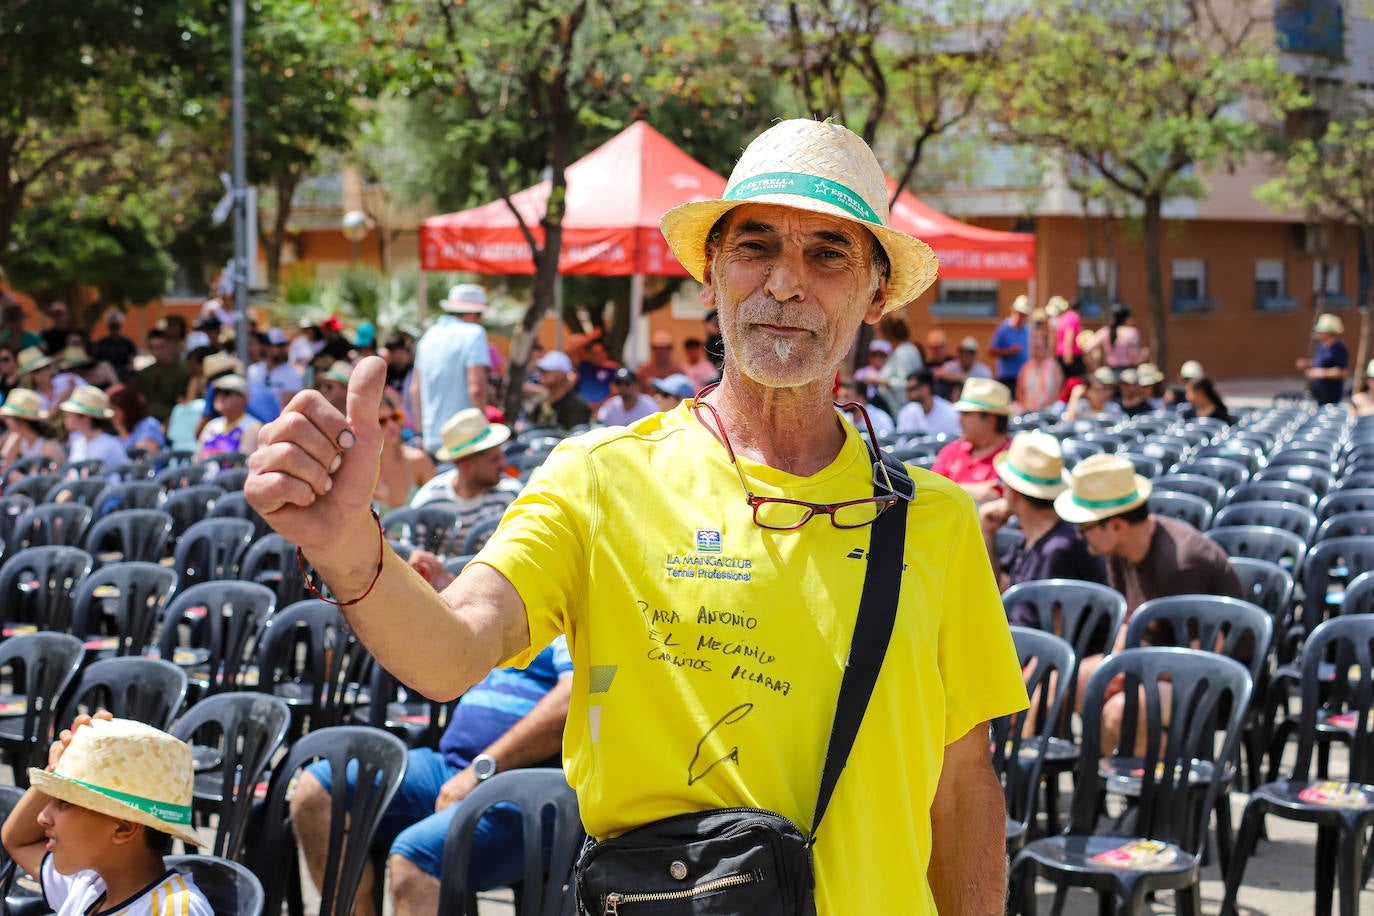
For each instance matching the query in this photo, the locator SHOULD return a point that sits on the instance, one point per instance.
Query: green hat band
(1028, 478)
(163, 811)
(811, 186)
(983, 404)
(466, 442)
(1105, 503)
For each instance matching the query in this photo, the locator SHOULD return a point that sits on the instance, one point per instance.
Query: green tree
(1145, 93)
(1332, 178)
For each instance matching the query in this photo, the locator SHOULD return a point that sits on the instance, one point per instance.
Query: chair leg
(1021, 888)
(1188, 900)
(1348, 868)
(1225, 835)
(1326, 869)
(1250, 823)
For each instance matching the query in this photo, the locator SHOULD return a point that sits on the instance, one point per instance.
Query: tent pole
(1030, 292)
(637, 349)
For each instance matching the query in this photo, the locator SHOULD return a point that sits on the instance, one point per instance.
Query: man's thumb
(365, 387)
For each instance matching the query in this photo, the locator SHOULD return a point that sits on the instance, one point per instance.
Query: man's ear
(127, 832)
(708, 287)
(879, 303)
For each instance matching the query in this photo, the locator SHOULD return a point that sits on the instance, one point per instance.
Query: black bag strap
(872, 630)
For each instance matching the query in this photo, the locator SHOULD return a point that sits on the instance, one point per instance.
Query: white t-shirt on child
(173, 894)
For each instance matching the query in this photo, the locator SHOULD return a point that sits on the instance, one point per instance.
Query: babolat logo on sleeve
(708, 541)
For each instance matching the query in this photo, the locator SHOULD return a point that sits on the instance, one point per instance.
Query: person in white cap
(1148, 556)
(627, 403)
(95, 823)
(1032, 475)
(965, 364)
(234, 429)
(1329, 365)
(452, 364)
(706, 564)
(984, 410)
(557, 401)
(1011, 342)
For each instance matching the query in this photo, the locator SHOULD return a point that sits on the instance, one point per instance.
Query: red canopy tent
(616, 194)
(966, 252)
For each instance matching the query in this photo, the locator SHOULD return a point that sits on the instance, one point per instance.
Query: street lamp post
(355, 227)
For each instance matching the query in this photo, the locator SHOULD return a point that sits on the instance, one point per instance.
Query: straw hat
(984, 395)
(88, 401)
(1328, 323)
(1033, 465)
(1021, 304)
(1148, 374)
(1057, 306)
(125, 770)
(218, 363)
(1191, 369)
(338, 371)
(969, 343)
(815, 166)
(1104, 375)
(1100, 487)
(465, 299)
(232, 382)
(74, 357)
(31, 359)
(24, 404)
(468, 433)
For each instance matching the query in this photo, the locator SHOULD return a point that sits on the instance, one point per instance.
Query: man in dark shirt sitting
(1032, 475)
(1148, 556)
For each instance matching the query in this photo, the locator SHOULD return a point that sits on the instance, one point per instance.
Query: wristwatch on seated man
(484, 767)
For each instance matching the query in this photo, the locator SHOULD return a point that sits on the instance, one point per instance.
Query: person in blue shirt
(1011, 342)
(513, 718)
(1330, 363)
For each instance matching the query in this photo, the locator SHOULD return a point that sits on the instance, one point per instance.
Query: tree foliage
(1144, 93)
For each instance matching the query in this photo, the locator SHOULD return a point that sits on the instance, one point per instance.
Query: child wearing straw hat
(96, 823)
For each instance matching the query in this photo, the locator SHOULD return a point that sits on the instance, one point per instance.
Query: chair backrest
(38, 586)
(1262, 543)
(537, 793)
(427, 527)
(222, 618)
(1047, 663)
(1347, 524)
(271, 561)
(1085, 614)
(1362, 478)
(230, 888)
(132, 534)
(143, 689)
(231, 479)
(1268, 585)
(1211, 490)
(86, 467)
(12, 508)
(234, 504)
(34, 486)
(1338, 681)
(87, 491)
(1214, 623)
(40, 666)
(477, 534)
(1328, 566)
(311, 645)
(1230, 473)
(1359, 595)
(1345, 500)
(1298, 519)
(181, 475)
(1304, 457)
(1316, 479)
(34, 464)
(1233, 450)
(137, 494)
(189, 505)
(380, 759)
(53, 523)
(1210, 694)
(211, 549)
(1193, 510)
(124, 601)
(1145, 466)
(240, 732)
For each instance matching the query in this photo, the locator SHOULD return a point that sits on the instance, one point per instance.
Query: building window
(1310, 27)
(1271, 286)
(966, 299)
(1335, 297)
(1091, 271)
(1189, 285)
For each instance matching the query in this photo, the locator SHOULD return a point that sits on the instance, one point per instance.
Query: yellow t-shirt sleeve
(542, 544)
(978, 661)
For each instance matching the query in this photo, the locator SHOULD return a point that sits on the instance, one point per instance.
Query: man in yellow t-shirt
(708, 644)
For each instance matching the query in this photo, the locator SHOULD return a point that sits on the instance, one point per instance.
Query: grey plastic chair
(1261, 543)
(1346, 500)
(1196, 484)
(1347, 524)
(52, 524)
(146, 690)
(40, 666)
(211, 549)
(123, 604)
(38, 585)
(429, 527)
(230, 888)
(1288, 516)
(1192, 510)
(129, 535)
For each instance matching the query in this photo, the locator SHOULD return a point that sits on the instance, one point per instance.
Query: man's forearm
(539, 733)
(968, 865)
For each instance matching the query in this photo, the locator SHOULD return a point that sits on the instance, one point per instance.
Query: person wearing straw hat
(477, 483)
(1329, 365)
(27, 432)
(1093, 399)
(1148, 556)
(36, 371)
(90, 422)
(452, 364)
(94, 826)
(1032, 475)
(709, 620)
(233, 429)
(984, 413)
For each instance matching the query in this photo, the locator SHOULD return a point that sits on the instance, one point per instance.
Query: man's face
(967, 358)
(978, 428)
(915, 391)
(626, 391)
(57, 312)
(1101, 538)
(596, 352)
(792, 287)
(486, 468)
(161, 350)
(76, 836)
(276, 354)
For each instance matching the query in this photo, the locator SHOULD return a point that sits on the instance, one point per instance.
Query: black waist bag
(726, 861)
(734, 861)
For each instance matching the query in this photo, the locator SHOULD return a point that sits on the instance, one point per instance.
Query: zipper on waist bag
(614, 899)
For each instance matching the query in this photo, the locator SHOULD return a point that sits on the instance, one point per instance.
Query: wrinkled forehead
(776, 220)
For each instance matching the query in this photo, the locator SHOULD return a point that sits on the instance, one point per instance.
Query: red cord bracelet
(381, 561)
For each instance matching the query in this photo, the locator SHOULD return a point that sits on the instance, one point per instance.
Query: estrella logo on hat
(708, 541)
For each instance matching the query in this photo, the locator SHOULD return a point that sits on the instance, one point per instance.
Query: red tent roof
(965, 252)
(616, 195)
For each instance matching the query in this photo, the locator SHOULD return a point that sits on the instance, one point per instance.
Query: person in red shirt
(984, 412)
